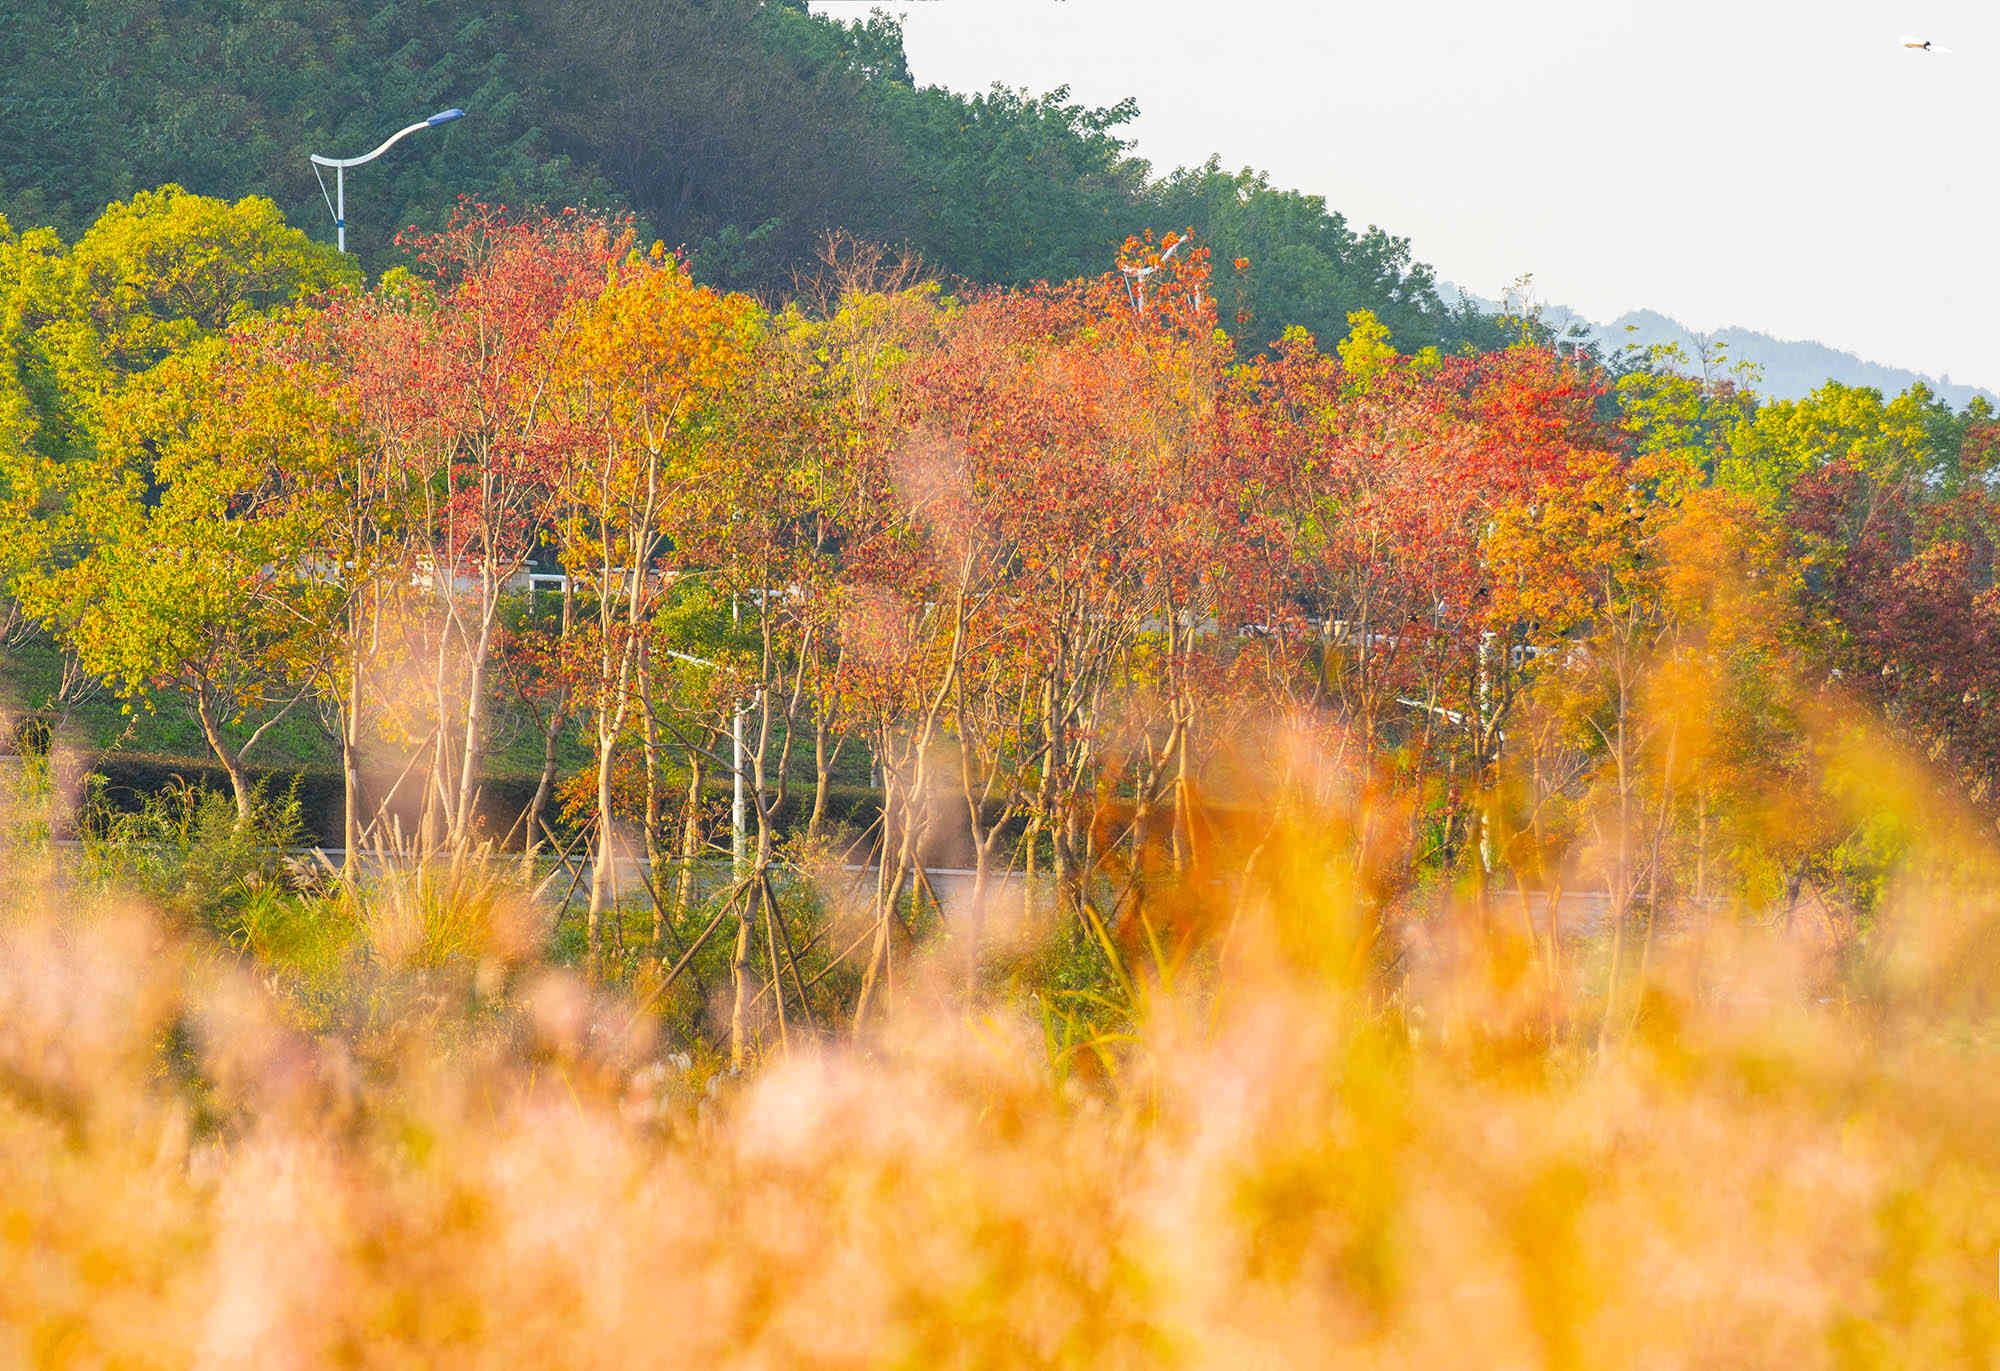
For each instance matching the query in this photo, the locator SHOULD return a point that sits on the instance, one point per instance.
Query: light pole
(737, 827)
(1135, 277)
(338, 204)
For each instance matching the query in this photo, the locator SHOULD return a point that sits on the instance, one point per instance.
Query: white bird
(1922, 44)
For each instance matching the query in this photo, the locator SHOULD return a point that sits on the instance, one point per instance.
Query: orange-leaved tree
(647, 368)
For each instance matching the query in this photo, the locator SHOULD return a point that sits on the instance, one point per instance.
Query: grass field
(404, 1129)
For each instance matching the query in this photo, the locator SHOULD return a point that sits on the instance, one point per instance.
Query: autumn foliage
(1055, 840)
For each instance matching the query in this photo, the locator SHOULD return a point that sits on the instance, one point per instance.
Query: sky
(1782, 165)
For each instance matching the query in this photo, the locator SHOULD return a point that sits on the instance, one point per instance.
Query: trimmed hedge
(129, 777)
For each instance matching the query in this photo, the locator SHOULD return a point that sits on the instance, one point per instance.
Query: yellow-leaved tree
(648, 367)
(1658, 601)
(154, 527)
(202, 576)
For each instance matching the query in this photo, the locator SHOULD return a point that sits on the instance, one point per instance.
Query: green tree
(18, 424)
(1012, 187)
(166, 268)
(103, 98)
(742, 130)
(150, 278)
(1304, 265)
(199, 580)
(139, 522)
(1914, 437)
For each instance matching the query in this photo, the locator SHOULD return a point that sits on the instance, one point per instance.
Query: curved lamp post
(1135, 277)
(338, 205)
(738, 831)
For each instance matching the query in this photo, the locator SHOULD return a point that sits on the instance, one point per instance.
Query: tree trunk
(739, 971)
(475, 728)
(232, 762)
(538, 807)
(690, 839)
(651, 722)
(551, 729)
(888, 885)
(822, 773)
(350, 785)
(600, 870)
(1619, 892)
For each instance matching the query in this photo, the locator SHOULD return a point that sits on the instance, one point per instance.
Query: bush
(183, 850)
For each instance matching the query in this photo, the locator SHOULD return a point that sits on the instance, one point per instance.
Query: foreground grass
(1289, 1150)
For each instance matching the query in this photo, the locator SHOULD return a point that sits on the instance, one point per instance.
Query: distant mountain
(1787, 369)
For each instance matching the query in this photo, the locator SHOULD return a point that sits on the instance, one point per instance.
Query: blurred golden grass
(1336, 1138)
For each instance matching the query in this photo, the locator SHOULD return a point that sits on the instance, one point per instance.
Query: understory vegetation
(401, 1124)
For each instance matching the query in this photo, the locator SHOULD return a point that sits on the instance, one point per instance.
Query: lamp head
(445, 117)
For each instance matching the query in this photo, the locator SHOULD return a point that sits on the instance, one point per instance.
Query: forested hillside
(739, 129)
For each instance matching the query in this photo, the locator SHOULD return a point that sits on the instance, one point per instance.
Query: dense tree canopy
(1049, 545)
(741, 129)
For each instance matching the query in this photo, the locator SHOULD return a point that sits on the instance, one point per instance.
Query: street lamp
(338, 204)
(1135, 277)
(737, 828)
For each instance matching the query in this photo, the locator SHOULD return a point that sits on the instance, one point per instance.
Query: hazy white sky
(1779, 164)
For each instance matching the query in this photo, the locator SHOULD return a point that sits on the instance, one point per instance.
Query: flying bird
(1922, 44)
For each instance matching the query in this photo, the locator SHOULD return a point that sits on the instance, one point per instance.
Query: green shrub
(183, 850)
